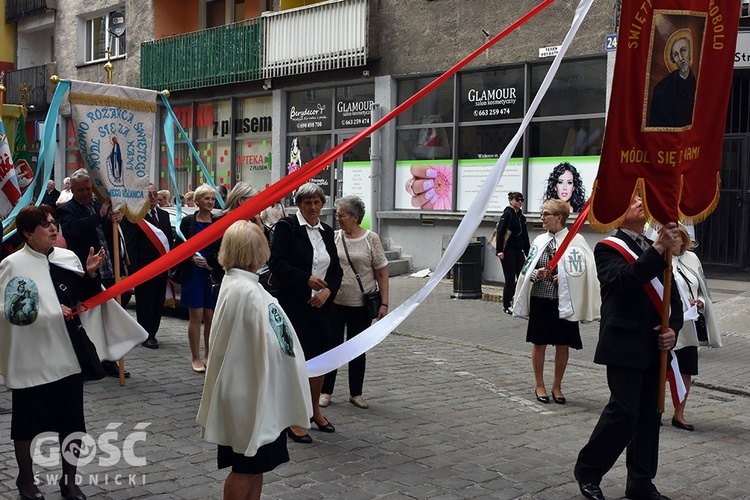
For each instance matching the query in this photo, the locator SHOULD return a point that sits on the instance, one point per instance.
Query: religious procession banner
(10, 192)
(114, 131)
(22, 157)
(11, 114)
(665, 127)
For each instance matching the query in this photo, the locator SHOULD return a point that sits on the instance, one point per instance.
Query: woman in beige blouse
(349, 312)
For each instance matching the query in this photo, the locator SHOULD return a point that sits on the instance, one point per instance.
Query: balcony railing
(15, 10)
(38, 78)
(215, 56)
(324, 36)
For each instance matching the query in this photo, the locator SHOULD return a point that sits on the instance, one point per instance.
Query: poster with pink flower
(424, 184)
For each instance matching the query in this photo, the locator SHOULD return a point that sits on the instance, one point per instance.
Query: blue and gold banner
(114, 131)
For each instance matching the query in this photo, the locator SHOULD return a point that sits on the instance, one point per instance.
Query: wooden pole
(109, 68)
(664, 329)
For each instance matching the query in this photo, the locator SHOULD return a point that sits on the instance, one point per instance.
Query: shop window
(301, 150)
(99, 39)
(252, 125)
(579, 87)
(479, 147)
(435, 107)
(491, 95)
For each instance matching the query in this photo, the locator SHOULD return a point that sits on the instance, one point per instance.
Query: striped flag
(10, 193)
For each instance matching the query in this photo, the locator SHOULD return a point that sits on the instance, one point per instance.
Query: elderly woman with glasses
(555, 300)
(305, 263)
(363, 261)
(39, 285)
(512, 245)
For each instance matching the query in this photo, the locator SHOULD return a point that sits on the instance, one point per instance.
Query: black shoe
(541, 399)
(151, 343)
(561, 400)
(645, 495)
(68, 496)
(680, 425)
(36, 496)
(591, 491)
(298, 439)
(324, 428)
(113, 370)
(507, 311)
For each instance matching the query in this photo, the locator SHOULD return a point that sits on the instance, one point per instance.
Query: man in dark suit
(629, 344)
(51, 195)
(143, 249)
(86, 223)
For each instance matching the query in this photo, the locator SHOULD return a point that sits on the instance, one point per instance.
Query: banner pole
(664, 329)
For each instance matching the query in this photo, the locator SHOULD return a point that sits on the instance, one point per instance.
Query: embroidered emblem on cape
(21, 301)
(281, 328)
(532, 253)
(574, 264)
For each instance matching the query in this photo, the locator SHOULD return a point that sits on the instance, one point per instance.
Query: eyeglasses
(547, 214)
(45, 223)
(341, 216)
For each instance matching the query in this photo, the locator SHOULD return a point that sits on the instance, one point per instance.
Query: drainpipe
(375, 173)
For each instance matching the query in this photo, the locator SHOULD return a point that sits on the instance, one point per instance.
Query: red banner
(665, 126)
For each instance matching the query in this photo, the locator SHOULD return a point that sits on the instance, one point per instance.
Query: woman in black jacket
(512, 245)
(305, 263)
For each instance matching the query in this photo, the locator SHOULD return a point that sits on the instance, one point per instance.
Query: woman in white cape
(555, 301)
(256, 380)
(694, 292)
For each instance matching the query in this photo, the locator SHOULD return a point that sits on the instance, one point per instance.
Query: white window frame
(89, 37)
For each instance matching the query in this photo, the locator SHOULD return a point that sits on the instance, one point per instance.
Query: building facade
(263, 87)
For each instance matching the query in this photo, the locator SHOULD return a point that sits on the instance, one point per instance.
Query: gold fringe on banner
(115, 102)
(703, 215)
(11, 111)
(602, 227)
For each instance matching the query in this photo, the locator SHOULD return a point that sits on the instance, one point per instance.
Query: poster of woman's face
(569, 180)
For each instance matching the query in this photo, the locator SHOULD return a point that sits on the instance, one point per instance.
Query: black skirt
(687, 358)
(268, 457)
(546, 327)
(53, 407)
(312, 327)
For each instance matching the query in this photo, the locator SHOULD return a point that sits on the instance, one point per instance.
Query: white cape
(256, 381)
(690, 265)
(40, 352)
(578, 287)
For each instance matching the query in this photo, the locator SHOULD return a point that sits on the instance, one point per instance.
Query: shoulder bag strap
(356, 274)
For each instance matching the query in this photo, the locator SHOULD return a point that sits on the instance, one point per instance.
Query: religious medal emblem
(281, 328)
(21, 301)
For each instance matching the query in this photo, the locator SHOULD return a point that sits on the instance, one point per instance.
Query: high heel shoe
(561, 400)
(324, 428)
(306, 439)
(541, 399)
(67, 495)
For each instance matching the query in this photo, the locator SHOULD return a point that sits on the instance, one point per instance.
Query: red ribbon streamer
(289, 183)
(574, 229)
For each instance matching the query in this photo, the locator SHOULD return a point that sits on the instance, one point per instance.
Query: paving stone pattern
(452, 415)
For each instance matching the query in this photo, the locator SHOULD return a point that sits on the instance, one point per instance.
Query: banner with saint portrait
(114, 132)
(665, 126)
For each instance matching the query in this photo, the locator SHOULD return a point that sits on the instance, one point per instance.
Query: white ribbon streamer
(342, 354)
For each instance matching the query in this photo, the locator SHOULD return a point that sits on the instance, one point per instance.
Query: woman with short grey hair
(305, 264)
(365, 269)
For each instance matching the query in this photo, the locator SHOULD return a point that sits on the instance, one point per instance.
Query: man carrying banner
(85, 222)
(629, 268)
(146, 241)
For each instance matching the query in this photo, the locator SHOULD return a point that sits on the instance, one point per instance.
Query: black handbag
(372, 299)
(700, 328)
(180, 273)
(88, 358)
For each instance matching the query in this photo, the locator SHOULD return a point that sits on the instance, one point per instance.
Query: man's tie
(154, 218)
(641, 240)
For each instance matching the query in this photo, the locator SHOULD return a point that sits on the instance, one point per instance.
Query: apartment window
(99, 38)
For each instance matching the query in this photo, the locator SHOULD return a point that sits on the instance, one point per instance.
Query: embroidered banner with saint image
(114, 131)
(665, 125)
